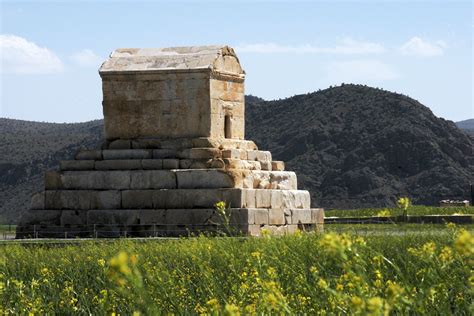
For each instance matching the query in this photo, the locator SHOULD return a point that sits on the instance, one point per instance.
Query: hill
(351, 146)
(27, 149)
(467, 126)
(356, 146)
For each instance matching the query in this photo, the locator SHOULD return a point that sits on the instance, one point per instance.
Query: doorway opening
(228, 126)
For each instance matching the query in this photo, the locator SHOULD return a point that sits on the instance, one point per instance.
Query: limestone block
(276, 199)
(120, 144)
(126, 154)
(278, 165)
(52, 180)
(188, 216)
(266, 165)
(146, 143)
(76, 165)
(99, 180)
(301, 216)
(177, 143)
(296, 199)
(241, 217)
(70, 217)
(67, 200)
(263, 198)
(199, 164)
(89, 155)
(283, 180)
(206, 142)
(217, 163)
(164, 153)
(170, 163)
(37, 201)
(130, 164)
(106, 200)
(261, 216)
(317, 215)
(259, 155)
(199, 153)
(203, 178)
(231, 154)
(40, 217)
(152, 164)
(276, 216)
(153, 179)
(156, 216)
(249, 198)
(254, 230)
(137, 199)
(111, 217)
(185, 163)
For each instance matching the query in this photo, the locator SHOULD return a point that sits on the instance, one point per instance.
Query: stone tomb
(174, 146)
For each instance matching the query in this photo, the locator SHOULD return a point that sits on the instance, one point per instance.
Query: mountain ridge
(351, 146)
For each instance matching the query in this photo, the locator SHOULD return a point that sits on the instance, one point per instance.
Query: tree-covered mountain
(351, 146)
(467, 126)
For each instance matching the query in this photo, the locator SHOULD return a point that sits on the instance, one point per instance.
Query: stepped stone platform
(162, 168)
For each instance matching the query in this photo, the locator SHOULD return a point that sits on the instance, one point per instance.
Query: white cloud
(417, 46)
(358, 71)
(86, 57)
(20, 56)
(346, 46)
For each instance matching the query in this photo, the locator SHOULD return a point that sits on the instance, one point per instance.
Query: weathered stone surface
(52, 180)
(200, 153)
(153, 179)
(301, 216)
(110, 217)
(263, 198)
(259, 155)
(40, 217)
(152, 164)
(129, 164)
(260, 216)
(110, 199)
(170, 163)
(67, 200)
(317, 215)
(278, 165)
(266, 165)
(164, 153)
(136, 199)
(76, 165)
(276, 216)
(69, 217)
(89, 155)
(126, 154)
(37, 201)
(120, 144)
(202, 178)
(88, 180)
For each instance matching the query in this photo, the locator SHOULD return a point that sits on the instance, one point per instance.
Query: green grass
(330, 273)
(413, 210)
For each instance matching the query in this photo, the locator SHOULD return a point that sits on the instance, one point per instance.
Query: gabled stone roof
(218, 58)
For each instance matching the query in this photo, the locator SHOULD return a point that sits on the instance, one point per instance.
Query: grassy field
(413, 210)
(419, 271)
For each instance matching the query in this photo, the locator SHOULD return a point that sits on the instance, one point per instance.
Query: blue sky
(50, 50)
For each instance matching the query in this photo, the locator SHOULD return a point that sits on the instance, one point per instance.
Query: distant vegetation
(352, 146)
(422, 272)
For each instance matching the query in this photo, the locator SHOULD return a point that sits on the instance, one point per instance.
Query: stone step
(181, 143)
(188, 153)
(170, 199)
(168, 219)
(170, 179)
(158, 164)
